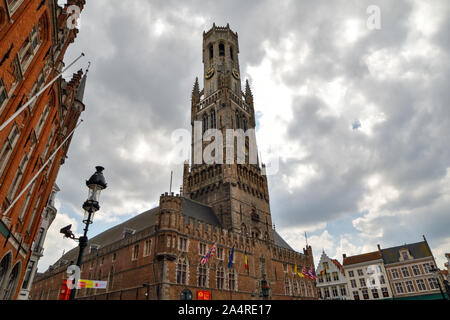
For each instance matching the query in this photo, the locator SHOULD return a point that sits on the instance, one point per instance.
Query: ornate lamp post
(96, 184)
(435, 272)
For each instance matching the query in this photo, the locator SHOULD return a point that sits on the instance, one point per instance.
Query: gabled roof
(362, 258)
(417, 250)
(338, 265)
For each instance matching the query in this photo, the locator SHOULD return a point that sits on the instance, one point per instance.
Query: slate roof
(362, 258)
(147, 219)
(417, 250)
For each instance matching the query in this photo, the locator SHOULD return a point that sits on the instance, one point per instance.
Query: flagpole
(3, 126)
(40, 170)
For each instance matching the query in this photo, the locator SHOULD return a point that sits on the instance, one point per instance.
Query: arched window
(4, 268)
(111, 279)
(221, 50)
(303, 289)
(287, 286)
(245, 124)
(231, 53)
(11, 283)
(211, 51)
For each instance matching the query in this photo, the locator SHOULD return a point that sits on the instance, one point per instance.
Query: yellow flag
(299, 273)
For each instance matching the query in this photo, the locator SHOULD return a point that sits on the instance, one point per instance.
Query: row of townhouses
(400, 273)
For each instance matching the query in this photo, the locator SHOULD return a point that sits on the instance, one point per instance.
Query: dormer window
(128, 233)
(404, 254)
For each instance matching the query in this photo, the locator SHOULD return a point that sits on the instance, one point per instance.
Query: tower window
(221, 50)
(211, 51)
(231, 53)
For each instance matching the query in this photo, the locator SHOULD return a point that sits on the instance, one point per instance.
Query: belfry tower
(238, 191)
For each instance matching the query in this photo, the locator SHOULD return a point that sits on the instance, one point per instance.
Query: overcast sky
(360, 118)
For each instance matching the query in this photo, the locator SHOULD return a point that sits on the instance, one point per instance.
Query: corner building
(157, 254)
(34, 38)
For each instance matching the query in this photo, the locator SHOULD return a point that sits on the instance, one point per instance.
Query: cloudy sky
(359, 117)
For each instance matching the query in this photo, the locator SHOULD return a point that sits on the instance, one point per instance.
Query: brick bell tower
(237, 192)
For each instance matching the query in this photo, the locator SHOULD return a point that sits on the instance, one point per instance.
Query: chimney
(379, 248)
(344, 256)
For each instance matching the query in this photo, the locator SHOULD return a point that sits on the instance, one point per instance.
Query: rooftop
(371, 256)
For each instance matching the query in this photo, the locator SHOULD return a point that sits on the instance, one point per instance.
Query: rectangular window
(287, 286)
(409, 286)
(26, 202)
(181, 273)
(351, 274)
(365, 294)
(356, 295)
(29, 48)
(335, 276)
(26, 280)
(362, 282)
(135, 255)
(426, 268)
(13, 5)
(3, 95)
(202, 277)
(416, 270)
(220, 278)
(327, 277)
(421, 285)
(360, 272)
(405, 272)
(169, 241)
(231, 281)
(220, 253)
(326, 292)
(385, 292)
(147, 247)
(202, 249)
(8, 148)
(335, 291)
(33, 214)
(353, 283)
(375, 293)
(114, 257)
(399, 288)
(432, 283)
(395, 274)
(182, 244)
(325, 265)
(18, 178)
(343, 291)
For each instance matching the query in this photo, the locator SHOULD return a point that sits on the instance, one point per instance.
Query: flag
(209, 254)
(246, 262)
(298, 272)
(312, 273)
(230, 262)
(306, 273)
(323, 272)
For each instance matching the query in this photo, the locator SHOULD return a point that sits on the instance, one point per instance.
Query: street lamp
(436, 277)
(95, 184)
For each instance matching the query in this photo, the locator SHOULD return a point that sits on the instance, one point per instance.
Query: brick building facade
(34, 37)
(157, 254)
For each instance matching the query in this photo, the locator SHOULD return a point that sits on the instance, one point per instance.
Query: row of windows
(408, 286)
(221, 51)
(375, 294)
(224, 280)
(328, 276)
(325, 292)
(305, 291)
(362, 281)
(416, 271)
(369, 270)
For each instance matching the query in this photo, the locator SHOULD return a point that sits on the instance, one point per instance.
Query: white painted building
(37, 248)
(331, 282)
(366, 277)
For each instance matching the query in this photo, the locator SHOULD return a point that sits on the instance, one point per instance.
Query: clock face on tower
(236, 74)
(209, 73)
